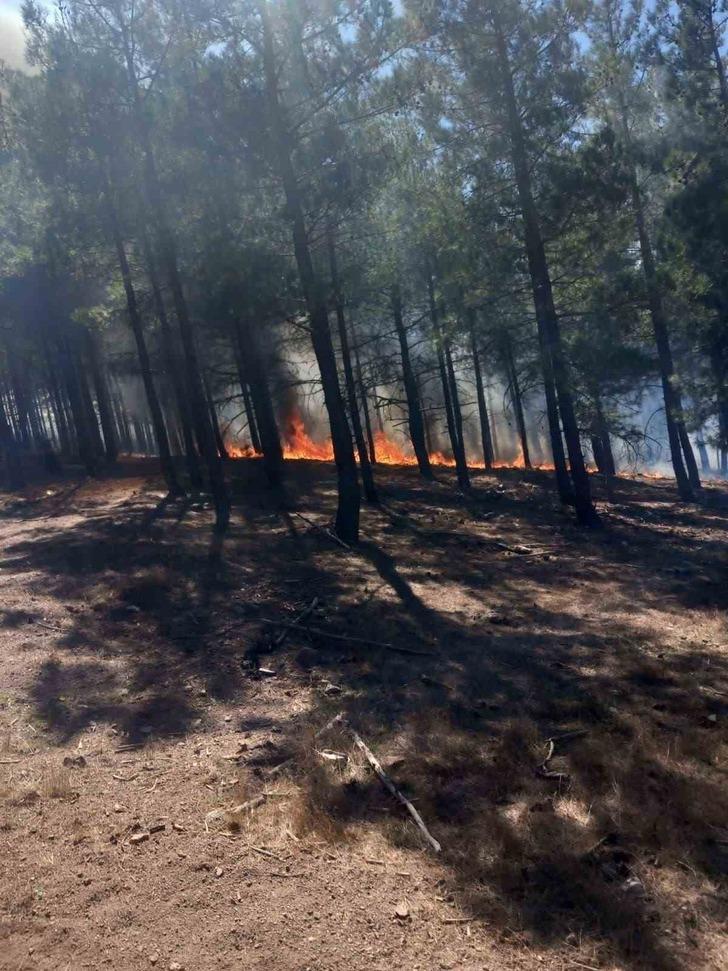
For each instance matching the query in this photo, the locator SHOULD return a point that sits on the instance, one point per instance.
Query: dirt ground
(553, 702)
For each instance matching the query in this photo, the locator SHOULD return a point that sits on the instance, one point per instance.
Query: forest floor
(141, 689)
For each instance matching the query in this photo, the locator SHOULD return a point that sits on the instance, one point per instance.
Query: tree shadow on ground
(591, 842)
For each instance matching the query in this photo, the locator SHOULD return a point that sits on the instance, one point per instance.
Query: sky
(11, 33)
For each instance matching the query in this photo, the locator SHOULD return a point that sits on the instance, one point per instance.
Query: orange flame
(237, 451)
(298, 444)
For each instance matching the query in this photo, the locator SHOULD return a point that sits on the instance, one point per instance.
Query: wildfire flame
(298, 444)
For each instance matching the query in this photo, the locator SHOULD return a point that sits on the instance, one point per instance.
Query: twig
(235, 810)
(457, 920)
(9, 761)
(264, 852)
(125, 778)
(339, 719)
(270, 773)
(576, 733)
(519, 550)
(324, 529)
(543, 769)
(296, 621)
(348, 639)
(392, 788)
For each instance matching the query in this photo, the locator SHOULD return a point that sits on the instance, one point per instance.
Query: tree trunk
(64, 438)
(364, 406)
(251, 360)
(414, 411)
(689, 455)
(461, 461)
(370, 491)
(347, 513)
(670, 386)
(168, 255)
(173, 366)
(516, 400)
(137, 327)
(703, 453)
(456, 444)
(250, 418)
(494, 427)
(83, 434)
(485, 436)
(10, 462)
(122, 422)
(546, 317)
(103, 400)
(214, 420)
(610, 466)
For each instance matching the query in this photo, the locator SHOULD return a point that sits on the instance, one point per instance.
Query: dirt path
(140, 689)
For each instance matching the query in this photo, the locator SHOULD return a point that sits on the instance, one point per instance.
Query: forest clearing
(363, 485)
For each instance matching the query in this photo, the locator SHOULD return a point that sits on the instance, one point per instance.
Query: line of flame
(298, 444)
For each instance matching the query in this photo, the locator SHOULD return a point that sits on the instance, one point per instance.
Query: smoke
(12, 40)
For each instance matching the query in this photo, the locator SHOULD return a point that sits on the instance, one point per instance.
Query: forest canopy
(454, 232)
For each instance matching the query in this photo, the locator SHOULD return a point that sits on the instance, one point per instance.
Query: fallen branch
(324, 529)
(296, 621)
(393, 790)
(340, 720)
(348, 638)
